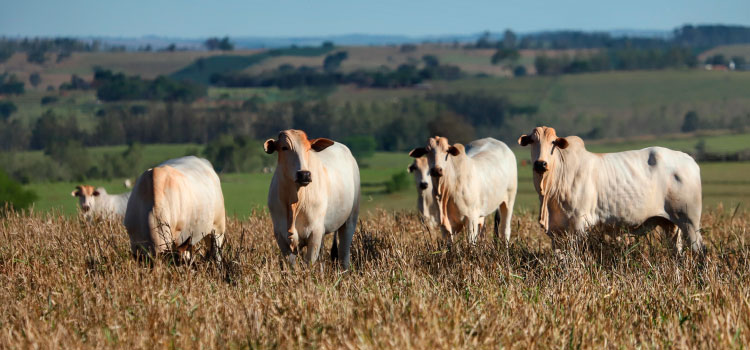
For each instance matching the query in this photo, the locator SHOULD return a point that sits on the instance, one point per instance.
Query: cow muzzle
(540, 166)
(436, 172)
(303, 178)
(85, 208)
(422, 185)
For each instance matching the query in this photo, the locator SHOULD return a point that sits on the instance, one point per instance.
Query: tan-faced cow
(314, 191)
(470, 183)
(174, 206)
(636, 189)
(426, 204)
(96, 202)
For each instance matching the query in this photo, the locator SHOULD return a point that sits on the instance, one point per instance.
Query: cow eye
(284, 148)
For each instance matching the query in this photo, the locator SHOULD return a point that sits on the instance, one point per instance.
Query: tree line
(288, 77)
(119, 87)
(695, 36)
(37, 49)
(616, 59)
(231, 133)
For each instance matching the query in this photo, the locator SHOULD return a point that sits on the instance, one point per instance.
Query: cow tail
(334, 248)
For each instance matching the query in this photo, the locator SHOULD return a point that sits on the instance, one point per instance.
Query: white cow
(426, 204)
(174, 206)
(314, 191)
(96, 202)
(636, 189)
(470, 183)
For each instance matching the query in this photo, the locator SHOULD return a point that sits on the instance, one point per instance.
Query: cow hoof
(293, 243)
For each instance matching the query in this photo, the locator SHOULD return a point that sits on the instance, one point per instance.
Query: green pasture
(725, 183)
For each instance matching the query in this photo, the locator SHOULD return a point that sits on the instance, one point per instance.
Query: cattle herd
(315, 190)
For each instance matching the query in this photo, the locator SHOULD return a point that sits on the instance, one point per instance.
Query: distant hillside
(202, 69)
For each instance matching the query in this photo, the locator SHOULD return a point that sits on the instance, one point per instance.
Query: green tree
(453, 127)
(739, 61)
(13, 195)
(519, 71)
(362, 147)
(398, 182)
(222, 44)
(509, 39)
(690, 122)
(431, 61)
(37, 55)
(71, 154)
(333, 61)
(10, 85)
(484, 41)
(35, 79)
(504, 54)
(6, 109)
(233, 154)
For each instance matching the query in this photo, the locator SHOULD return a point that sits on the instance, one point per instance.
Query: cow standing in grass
(470, 183)
(426, 204)
(174, 206)
(314, 191)
(636, 189)
(96, 202)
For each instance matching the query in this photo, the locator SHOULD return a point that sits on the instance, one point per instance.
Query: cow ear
(525, 140)
(75, 193)
(561, 143)
(96, 193)
(417, 152)
(320, 144)
(269, 146)
(456, 149)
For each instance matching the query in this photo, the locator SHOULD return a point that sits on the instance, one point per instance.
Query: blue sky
(202, 18)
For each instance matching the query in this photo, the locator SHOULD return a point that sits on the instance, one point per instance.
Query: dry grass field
(65, 284)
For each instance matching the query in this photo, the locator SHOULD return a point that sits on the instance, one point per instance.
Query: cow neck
(424, 197)
(553, 182)
(450, 180)
(297, 197)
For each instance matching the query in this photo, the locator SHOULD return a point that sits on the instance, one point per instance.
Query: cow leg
(506, 211)
(674, 236)
(217, 243)
(690, 230)
(447, 235)
(314, 241)
(286, 250)
(334, 248)
(473, 230)
(217, 239)
(345, 236)
(480, 231)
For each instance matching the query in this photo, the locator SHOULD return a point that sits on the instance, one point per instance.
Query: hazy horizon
(193, 19)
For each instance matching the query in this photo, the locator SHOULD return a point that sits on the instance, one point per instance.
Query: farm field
(66, 284)
(725, 183)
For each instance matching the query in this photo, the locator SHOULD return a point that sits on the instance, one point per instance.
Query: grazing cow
(636, 189)
(174, 206)
(96, 202)
(314, 191)
(426, 203)
(470, 183)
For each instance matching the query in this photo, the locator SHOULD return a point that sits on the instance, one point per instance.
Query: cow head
(421, 172)
(438, 150)
(544, 144)
(87, 196)
(294, 150)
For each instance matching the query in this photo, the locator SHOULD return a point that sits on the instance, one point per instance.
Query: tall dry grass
(64, 284)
